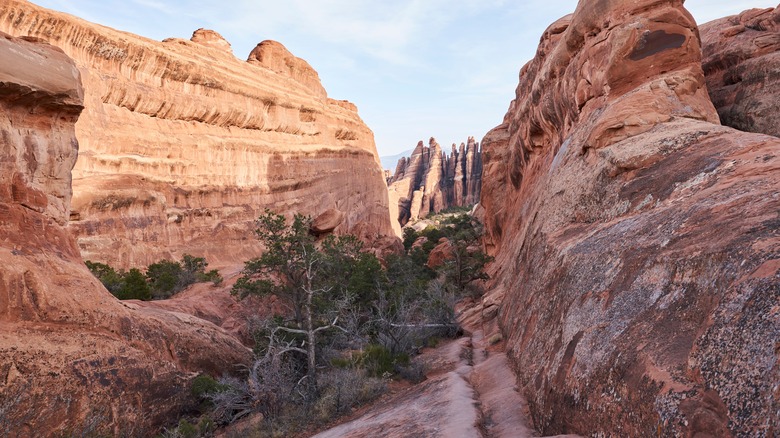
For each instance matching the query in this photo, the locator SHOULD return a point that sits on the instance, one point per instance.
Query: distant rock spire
(430, 181)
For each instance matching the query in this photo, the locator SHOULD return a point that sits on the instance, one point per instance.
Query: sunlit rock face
(429, 180)
(71, 355)
(741, 63)
(183, 145)
(637, 241)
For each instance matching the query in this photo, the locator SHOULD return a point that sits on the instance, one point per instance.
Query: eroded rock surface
(742, 65)
(183, 145)
(430, 180)
(637, 241)
(74, 360)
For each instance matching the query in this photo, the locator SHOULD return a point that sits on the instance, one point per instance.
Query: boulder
(327, 221)
(440, 253)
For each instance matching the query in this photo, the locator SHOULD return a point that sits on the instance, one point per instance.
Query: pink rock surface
(71, 355)
(741, 61)
(211, 39)
(183, 145)
(636, 240)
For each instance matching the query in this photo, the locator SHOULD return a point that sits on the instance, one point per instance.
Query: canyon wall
(637, 241)
(430, 180)
(183, 145)
(742, 66)
(74, 361)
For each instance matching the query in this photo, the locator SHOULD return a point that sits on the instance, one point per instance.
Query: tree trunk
(311, 372)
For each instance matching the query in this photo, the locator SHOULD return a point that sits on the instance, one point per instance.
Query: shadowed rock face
(430, 181)
(637, 241)
(70, 354)
(742, 65)
(183, 145)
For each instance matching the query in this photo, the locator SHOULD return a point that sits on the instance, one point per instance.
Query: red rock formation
(183, 145)
(741, 61)
(70, 354)
(429, 181)
(440, 253)
(636, 240)
(211, 39)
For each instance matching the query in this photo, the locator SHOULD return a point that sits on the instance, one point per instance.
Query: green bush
(212, 276)
(164, 278)
(410, 236)
(205, 427)
(343, 389)
(378, 361)
(107, 275)
(204, 385)
(134, 287)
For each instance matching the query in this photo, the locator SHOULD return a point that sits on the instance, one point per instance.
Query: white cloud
(387, 31)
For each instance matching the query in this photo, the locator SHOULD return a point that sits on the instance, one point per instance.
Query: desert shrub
(414, 371)
(167, 277)
(164, 278)
(129, 285)
(410, 236)
(134, 286)
(205, 427)
(107, 275)
(346, 388)
(379, 361)
(351, 318)
(212, 276)
(203, 385)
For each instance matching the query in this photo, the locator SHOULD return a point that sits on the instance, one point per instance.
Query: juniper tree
(317, 282)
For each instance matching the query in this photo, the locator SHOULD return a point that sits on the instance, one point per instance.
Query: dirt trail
(470, 392)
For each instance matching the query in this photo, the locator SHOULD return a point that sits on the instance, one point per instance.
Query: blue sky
(415, 68)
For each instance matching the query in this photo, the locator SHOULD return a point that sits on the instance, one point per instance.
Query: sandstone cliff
(183, 145)
(741, 63)
(430, 181)
(636, 240)
(74, 360)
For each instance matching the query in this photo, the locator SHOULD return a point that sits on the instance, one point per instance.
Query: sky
(415, 68)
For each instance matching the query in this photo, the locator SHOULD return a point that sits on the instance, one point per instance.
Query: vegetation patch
(112, 203)
(352, 322)
(161, 280)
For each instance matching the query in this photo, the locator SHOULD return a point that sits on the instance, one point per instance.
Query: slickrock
(210, 38)
(183, 145)
(430, 181)
(442, 406)
(74, 360)
(741, 63)
(637, 241)
(470, 391)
